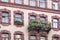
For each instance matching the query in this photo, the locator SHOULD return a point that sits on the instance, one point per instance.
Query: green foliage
(39, 25)
(18, 22)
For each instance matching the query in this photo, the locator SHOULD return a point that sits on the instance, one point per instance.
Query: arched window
(18, 35)
(5, 35)
(55, 37)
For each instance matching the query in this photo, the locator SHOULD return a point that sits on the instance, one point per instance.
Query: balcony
(39, 26)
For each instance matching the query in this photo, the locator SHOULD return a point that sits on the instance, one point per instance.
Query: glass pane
(5, 20)
(32, 3)
(18, 39)
(5, 0)
(4, 38)
(55, 5)
(42, 3)
(55, 38)
(18, 17)
(32, 38)
(42, 0)
(42, 38)
(18, 36)
(4, 14)
(55, 23)
(18, 1)
(55, 20)
(32, 17)
(42, 18)
(4, 35)
(5, 17)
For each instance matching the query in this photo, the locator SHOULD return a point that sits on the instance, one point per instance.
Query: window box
(18, 23)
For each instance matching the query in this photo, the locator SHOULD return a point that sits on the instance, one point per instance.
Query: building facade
(12, 11)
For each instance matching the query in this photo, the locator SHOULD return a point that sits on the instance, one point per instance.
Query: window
(32, 17)
(42, 18)
(18, 37)
(42, 3)
(55, 23)
(32, 37)
(32, 2)
(18, 17)
(5, 0)
(42, 38)
(55, 5)
(18, 1)
(5, 36)
(55, 38)
(5, 17)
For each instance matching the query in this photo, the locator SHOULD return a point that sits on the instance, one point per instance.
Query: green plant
(46, 26)
(34, 25)
(39, 25)
(18, 22)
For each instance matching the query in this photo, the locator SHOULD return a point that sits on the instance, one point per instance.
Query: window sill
(55, 29)
(5, 24)
(18, 25)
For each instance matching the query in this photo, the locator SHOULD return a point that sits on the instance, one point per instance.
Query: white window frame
(32, 2)
(55, 23)
(32, 17)
(5, 0)
(18, 17)
(42, 38)
(55, 5)
(43, 3)
(32, 37)
(18, 37)
(55, 38)
(42, 18)
(5, 17)
(18, 1)
(5, 36)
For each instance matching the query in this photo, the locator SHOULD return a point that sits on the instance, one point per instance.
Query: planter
(18, 23)
(34, 28)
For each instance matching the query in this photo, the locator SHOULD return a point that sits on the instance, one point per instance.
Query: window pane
(5, 36)
(55, 38)
(5, 17)
(32, 37)
(32, 3)
(42, 38)
(55, 23)
(42, 3)
(18, 37)
(43, 18)
(18, 17)
(5, 0)
(32, 17)
(55, 5)
(42, 0)
(18, 1)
